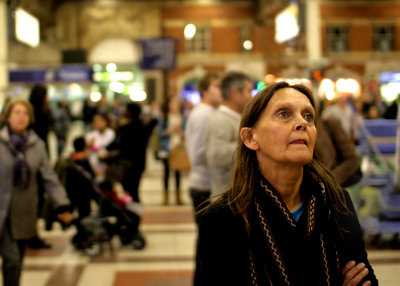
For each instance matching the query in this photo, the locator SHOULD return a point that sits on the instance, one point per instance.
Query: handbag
(179, 159)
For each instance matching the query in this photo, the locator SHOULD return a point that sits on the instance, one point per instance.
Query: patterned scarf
(21, 168)
(283, 252)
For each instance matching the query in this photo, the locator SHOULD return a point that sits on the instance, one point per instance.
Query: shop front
(68, 83)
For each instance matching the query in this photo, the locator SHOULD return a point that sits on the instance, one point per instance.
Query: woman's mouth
(299, 141)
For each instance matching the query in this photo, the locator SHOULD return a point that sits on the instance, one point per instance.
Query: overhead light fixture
(111, 67)
(95, 96)
(27, 28)
(190, 31)
(117, 87)
(136, 94)
(248, 45)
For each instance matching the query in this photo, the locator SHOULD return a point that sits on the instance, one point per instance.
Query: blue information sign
(60, 74)
(158, 53)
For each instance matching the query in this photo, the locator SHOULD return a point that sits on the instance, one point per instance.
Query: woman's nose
(301, 124)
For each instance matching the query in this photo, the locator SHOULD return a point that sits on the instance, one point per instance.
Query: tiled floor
(166, 260)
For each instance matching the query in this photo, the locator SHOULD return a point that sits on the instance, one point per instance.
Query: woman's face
(99, 123)
(285, 131)
(174, 105)
(19, 118)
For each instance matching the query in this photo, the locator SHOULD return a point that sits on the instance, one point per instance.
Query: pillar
(3, 52)
(313, 33)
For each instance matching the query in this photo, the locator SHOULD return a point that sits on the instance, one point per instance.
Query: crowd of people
(268, 179)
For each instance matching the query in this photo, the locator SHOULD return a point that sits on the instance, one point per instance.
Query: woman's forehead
(289, 95)
(19, 105)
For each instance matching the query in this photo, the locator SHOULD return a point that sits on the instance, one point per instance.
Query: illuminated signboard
(287, 24)
(114, 76)
(27, 28)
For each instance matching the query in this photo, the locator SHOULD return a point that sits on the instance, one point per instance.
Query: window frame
(378, 38)
(200, 43)
(332, 38)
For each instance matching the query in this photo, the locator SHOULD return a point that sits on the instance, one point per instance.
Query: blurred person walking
(79, 182)
(62, 122)
(131, 144)
(223, 129)
(97, 141)
(195, 134)
(342, 110)
(41, 108)
(23, 157)
(41, 126)
(338, 152)
(154, 113)
(88, 111)
(170, 129)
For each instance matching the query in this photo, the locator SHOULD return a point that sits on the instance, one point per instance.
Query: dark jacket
(223, 256)
(80, 185)
(42, 125)
(131, 141)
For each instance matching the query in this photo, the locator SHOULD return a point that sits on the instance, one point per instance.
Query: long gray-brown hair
(246, 174)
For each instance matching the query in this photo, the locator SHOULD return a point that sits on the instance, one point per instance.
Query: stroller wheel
(80, 242)
(126, 234)
(138, 241)
(94, 250)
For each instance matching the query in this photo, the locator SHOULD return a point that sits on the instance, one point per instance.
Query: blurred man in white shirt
(199, 177)
(223, 129)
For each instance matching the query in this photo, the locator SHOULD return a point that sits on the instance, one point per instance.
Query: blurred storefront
(122, 82)
(72, 83)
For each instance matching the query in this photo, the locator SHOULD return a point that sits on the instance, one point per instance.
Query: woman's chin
(301, 159)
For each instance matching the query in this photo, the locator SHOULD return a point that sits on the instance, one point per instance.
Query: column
(3, 52)
(313, 33)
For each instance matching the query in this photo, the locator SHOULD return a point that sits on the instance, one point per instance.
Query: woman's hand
(353, 274)
(65, 217)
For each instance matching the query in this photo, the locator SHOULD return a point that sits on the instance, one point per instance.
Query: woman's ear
(247, 137)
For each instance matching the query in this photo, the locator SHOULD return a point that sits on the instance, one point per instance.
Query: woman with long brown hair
(284, 220)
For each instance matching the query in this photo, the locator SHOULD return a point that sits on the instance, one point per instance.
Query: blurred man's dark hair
(79, 144)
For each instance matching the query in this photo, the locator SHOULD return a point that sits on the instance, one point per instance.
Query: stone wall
(82, 25)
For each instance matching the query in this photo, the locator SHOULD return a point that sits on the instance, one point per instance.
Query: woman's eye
(283, 114)
(309, 117)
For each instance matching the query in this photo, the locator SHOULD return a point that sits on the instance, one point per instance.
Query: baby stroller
(112, 218)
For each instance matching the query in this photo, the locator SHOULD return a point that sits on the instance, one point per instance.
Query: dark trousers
(12, 253)
(131, 182)
(199, 200)
(166, 177)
